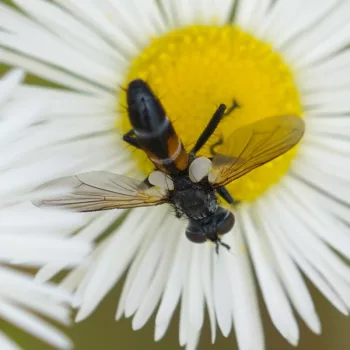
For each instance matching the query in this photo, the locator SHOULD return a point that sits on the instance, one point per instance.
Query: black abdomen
(145, 110)
(153, 129)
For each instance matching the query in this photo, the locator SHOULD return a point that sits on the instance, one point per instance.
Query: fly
(190, 184)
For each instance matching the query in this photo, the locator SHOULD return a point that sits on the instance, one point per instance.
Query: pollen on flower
(194, 69)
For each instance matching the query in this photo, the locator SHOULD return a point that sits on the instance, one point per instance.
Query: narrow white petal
(312, 47)
(275, 298)
(278, 31)
(67, 27)
(185, 326)
(212, 11)
(73, 278)
(328, 101)
(38, 304)
(222, 294)
(140, 20)
(195, 297)
(334, 187)
(173, 288)
(155, 290)
(332, 260)
(329, 127)
(118, 253)
(323, 224)
(307, 254)
(25, 281)
(290, 274)
(143, 278)
(193, 339)
(246, 314)
(329, 204)
(96, 15)
(34, 325)
(6, 343)
(36, 250)
(51, 73)
(18, 118)
(8, 83)
(251, 14)
(133, 270)
(206, 274)
(54, 54)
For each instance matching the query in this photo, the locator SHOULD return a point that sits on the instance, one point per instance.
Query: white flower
(21, 300)
(294, 227)
(24, 231)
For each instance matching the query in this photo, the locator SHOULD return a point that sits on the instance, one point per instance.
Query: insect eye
(196, 236)
(226, 224)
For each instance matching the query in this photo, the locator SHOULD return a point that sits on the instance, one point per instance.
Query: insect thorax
(194, 200)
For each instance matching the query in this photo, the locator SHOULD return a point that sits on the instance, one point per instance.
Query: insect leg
(232, 108)
(220, 141)
(225, 194)
(217, 143)
(209, 129)
(130, 138)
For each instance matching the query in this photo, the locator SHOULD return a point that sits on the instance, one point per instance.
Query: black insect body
(187, 182)
(198, 203)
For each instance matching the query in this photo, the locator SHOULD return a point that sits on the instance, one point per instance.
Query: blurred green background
(101, 331)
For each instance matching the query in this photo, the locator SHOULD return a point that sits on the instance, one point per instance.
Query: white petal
(297, 242)
(246, 314)
(279, 31)
(34, 325)
(222, 294)
(173, 288)
(275, 298)
(330, 230)
(6, 343)
(312, 47)
(206, 274)
(290, 275)
(67, 27)
(48, 72)
(251, 14)
(98, 17)
(195, 297)
(155, 289)
(144, 275)
(35, 250)
(9, 83)
(119, 252)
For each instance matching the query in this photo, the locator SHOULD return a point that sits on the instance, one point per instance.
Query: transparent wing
(254, 145)
(99, 190)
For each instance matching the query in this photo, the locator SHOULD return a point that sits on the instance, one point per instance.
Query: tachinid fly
(189, 183)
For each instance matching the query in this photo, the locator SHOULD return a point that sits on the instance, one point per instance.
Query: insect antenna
(218, 243)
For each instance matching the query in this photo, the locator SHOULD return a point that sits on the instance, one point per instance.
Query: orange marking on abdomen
(177, 152)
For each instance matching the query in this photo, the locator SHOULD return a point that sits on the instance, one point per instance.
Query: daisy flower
(24, 237)
(273, 58)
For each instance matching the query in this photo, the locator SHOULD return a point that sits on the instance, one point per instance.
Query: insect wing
(254, 145)
(99, 190)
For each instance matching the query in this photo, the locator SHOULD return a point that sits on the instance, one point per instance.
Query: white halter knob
(162, 180)
(199, 169)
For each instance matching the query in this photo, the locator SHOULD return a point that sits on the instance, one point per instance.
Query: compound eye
(195, 236)
(226, 224)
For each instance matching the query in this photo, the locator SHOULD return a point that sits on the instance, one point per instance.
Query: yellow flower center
(194, 69)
